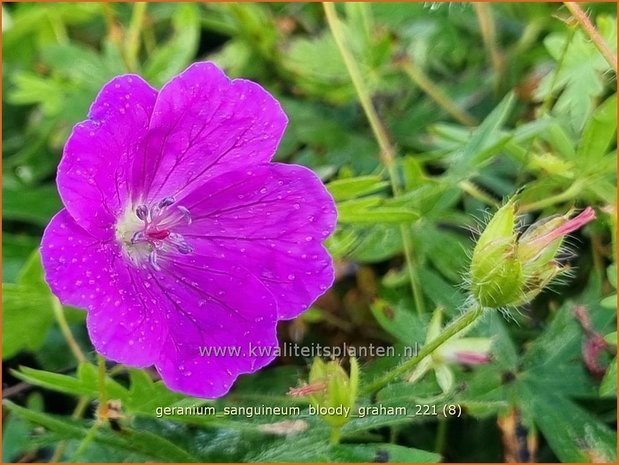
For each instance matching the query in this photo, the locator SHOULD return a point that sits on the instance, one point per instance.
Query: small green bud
(497, 277)
(340, 390)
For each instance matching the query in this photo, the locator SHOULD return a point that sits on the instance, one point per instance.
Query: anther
(142, 212)
(166, 202)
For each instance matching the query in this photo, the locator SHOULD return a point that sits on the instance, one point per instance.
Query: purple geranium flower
(180, 238)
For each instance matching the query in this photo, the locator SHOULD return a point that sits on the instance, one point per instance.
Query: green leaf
(440, 291)
(608, 387)
(485, 140)
(580, 74)
(15, 439)
(383, 453)
(27, 313)
(34, 205)
(610, 301)
(550, 358)
(93, 70)
(171, 58)
(319, 68)
(373, 244)
(399, 321)
(84, 384)
(16, 249)
(145, 395)
(599, 132)
(151, 446)
(32, 89)
(345, 189)
(574, 434)
(368, 211)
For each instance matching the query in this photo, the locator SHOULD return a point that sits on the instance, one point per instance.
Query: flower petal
(216, 313)
(86, 272)
(271, 218)
(205, 124)
(94, 171)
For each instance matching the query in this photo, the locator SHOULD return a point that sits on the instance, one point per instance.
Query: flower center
(148, 232)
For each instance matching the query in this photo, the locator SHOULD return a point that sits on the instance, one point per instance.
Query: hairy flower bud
(497, 277)
(338, 397)
(507, 270)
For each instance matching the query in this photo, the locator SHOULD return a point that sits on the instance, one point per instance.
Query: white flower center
(147, 232)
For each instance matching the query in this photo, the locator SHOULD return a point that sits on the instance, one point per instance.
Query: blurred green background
(480, 102)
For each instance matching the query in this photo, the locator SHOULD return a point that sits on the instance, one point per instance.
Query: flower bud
(457, 350)
(340, 390)
(511, 271)
(497, 277)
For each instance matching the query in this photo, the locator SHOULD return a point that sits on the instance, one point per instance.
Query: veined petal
(203, 125)
(271, 218)
(87, 272)
(222, 323)
(93, 175)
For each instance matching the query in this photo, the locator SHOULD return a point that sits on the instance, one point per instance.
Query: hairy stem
(387, 151)
(435, 93)
(455, 327)
(90, 436)
(66, 331)
(133, 35)
(475, 192)
(102, 413)
(570, 193)
(488, 33)
(336, 434)
(589, 29)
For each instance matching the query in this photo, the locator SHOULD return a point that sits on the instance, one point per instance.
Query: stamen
(137, 237)
(185, 214)
(179, 242)
(166, 202)
(152, 258)
(142, 212)
(156, 236)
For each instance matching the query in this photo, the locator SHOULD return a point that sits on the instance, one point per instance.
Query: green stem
(59, 28)
(589, 29)
(133, 35)
(387, 152)
(336, 435)
(564, 196)
(488, 33)
(455, 327)
(102, 413)
(66, 331)
(436, 93)
(441, 435)
(475, 192)
(90, 436)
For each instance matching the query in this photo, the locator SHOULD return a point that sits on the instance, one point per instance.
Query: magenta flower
(180, 238)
